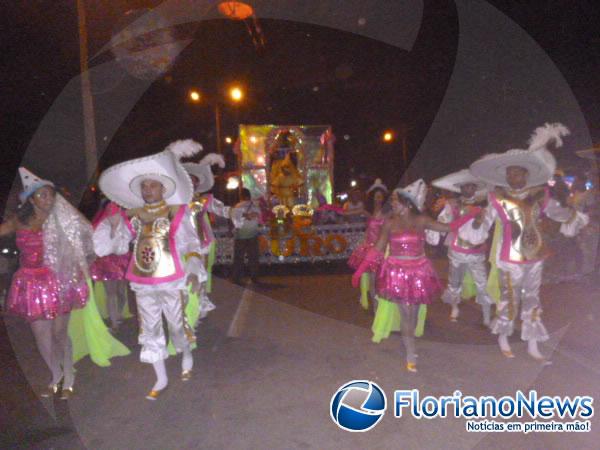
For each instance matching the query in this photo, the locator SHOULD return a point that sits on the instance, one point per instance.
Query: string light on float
(228, 140)
(233, 183)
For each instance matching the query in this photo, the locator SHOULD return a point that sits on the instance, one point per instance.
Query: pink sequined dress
(110, 267)
(35, 290)
(407, 275)
(374, 225)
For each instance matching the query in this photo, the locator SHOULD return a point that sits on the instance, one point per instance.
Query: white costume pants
(520, 286)
(151, 307)
(459, 264)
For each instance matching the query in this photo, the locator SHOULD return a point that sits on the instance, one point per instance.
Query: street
(270, 358)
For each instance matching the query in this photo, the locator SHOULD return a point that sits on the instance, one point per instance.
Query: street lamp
(194, 96)
(236, 94)
(388, 136)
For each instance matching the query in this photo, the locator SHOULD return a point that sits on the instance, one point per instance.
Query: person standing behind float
(55, 244)
(586, 201)
(516, 206)
(246, 220)
(167, 257)
(406, 276)
(376, 198)
(464, 257)
(354, 208)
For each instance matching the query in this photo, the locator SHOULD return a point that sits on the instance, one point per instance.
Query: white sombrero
(453, 182)
(122, 183)
(203, 171)
(592, 153)
(415, 192)
(378, 184)
(537, 159)
(31, 183)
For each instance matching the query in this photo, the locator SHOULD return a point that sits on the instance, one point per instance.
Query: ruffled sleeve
(477, 236)
(189, 245)
(118, 244)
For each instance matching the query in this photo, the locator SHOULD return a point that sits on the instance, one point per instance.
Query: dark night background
(364, 86)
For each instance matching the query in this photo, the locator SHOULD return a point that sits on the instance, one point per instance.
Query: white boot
(161, 380)
(505, 346)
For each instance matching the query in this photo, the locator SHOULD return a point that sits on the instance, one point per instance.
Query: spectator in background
(354, 208)
(585, 201)
(246, 220)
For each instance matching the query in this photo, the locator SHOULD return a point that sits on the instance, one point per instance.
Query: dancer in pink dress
(376, 197)
(55, 242)
(406, 276)
(110, 271)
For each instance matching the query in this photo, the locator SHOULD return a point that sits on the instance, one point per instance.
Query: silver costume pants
(520, 286)
(458, 266)
(152, 305)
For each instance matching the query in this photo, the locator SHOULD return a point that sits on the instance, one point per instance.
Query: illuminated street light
(194, 96)
(388, 136)
(353, 183)
(236, 94)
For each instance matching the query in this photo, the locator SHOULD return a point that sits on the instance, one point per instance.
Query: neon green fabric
(90, 336)
(468, 289)
(126, 313)
(100, 294)
(388, 319)
(192, 312)
(212, 255)
(364, 290)
(493, 288)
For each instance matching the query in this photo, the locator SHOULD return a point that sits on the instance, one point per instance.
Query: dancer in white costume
(167, 255)
(520, 198)
(204, 203)
(463, 256)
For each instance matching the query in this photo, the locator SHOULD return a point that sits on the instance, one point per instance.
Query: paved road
(265, 381)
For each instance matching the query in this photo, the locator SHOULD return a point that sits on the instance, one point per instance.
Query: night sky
(305, 74)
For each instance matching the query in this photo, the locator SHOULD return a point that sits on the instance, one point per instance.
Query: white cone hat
(415, 192)
(31, 183)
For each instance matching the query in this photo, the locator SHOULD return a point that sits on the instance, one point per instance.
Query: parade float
(289, 172)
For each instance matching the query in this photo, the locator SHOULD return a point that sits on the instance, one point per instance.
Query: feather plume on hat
(544, 135)
(184, 148)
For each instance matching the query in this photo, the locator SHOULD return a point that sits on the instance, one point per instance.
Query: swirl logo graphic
(358, 405)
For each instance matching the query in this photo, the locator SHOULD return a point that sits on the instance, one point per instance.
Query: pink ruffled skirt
(111, 267)
(34, 295)
(412, 281)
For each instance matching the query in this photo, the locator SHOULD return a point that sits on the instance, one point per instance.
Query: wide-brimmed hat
(378, 184)
(122, 183)
(537, 159)
(453, 182)
(31, 183)
(416, 192)
(203, 171)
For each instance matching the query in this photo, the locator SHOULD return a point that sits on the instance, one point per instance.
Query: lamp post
(235, 94)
